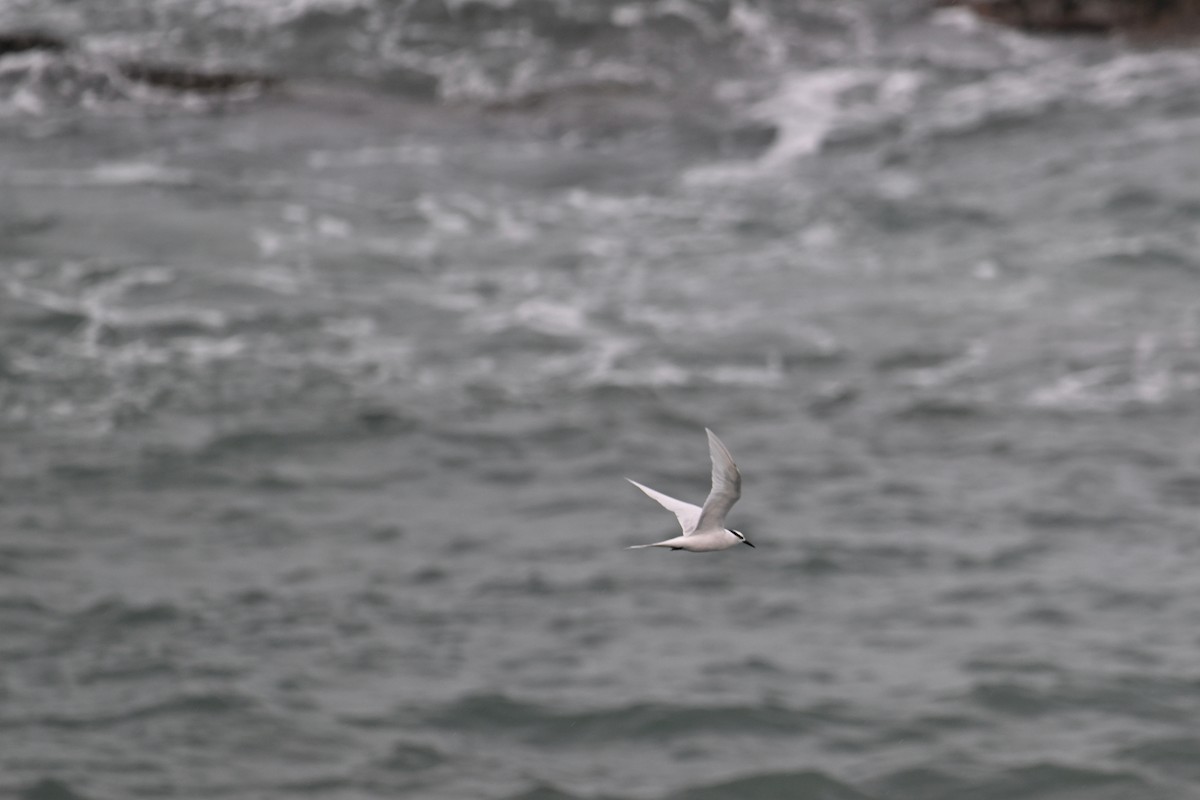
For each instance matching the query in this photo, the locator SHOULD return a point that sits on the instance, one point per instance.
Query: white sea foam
(129, 173)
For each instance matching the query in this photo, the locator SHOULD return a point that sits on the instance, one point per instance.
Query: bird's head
(741, 537)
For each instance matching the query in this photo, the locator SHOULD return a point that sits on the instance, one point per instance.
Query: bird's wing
(687, 513)
(726, 486)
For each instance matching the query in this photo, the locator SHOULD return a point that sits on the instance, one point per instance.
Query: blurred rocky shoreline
(141, 73)
(42, 57)
(1147, 17)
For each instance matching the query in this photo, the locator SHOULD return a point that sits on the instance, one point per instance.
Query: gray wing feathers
(726, 485)
(687, 513)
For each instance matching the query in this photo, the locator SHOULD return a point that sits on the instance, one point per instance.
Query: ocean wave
(1161, 699)
(1143, 255)
(49, 789)
(801, 785)
(20, 605)
(1183, 489)
(1156, 378)
(539, 724)
(920, 783)
(1066, 516)
(796, 785)
(320, 785)
(544, 791)
(943, 407)
(810, 108)
(1178, 756)
(181, 706)
(111, 614)
(409, 757)
(1030, 781)
(1053, 781)
(110, 174)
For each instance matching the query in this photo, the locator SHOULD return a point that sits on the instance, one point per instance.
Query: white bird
(704, 527)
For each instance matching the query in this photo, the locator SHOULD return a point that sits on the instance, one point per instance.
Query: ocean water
(317, 396)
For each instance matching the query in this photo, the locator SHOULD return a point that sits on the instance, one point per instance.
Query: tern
(704, 526)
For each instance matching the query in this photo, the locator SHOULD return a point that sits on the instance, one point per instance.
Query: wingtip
(715, 440)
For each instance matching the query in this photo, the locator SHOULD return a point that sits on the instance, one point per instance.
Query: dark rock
(185, 79)
(20, 41)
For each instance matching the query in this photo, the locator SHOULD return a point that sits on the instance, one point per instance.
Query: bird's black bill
(747, 541)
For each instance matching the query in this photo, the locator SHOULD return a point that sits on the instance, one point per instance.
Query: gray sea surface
(317, 396)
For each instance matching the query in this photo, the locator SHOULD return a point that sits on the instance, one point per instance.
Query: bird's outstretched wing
(726, 486)
(687, 513)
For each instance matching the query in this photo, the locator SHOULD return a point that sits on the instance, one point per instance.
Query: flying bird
(704, 526)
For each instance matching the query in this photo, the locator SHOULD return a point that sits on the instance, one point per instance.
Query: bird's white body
(704, 526)
(697, 543)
